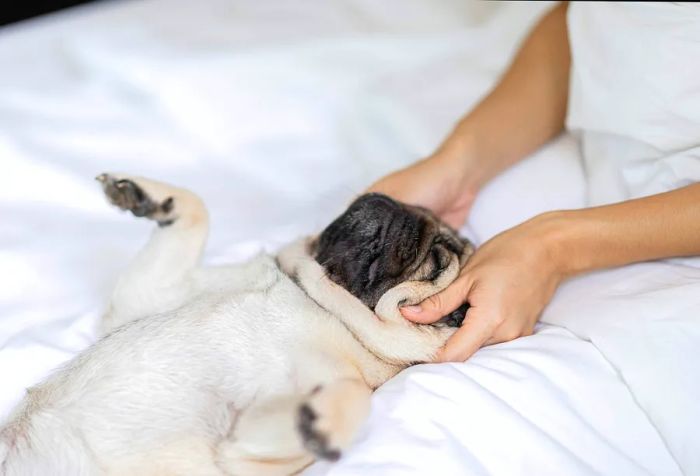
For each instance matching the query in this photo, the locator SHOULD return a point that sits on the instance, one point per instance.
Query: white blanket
(277, 114)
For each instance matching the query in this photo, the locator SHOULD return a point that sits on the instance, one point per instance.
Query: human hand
(445, 183)
(507, 282)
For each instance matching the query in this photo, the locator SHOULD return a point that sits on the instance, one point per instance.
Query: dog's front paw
(133, 194)
(330, 416)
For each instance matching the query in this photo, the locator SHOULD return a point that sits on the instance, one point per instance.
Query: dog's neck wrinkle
(295, 260)
(371, 381)
(384, 331)
(373, 367)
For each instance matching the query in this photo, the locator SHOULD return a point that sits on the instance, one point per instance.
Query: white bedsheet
(277, 113)
(533, 406)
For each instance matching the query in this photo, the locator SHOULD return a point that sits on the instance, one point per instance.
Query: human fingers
(437, 306)
(475, 331)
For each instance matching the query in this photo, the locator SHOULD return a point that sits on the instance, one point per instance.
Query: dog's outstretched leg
(157, 280)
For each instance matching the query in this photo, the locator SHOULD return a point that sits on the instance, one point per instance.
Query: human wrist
(567, 235)
(558, 235)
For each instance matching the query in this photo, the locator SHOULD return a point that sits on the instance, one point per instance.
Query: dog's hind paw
(328, 419)
(315, 438)
(134, 195)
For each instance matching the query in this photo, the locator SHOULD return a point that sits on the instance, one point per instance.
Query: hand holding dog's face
(379, 243)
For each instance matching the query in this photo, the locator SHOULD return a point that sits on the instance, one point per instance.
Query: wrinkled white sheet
(277, 113)
(547, 404)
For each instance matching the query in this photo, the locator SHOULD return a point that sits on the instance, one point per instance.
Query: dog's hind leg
(329, 418)
(157, 280)
(283, 435)
(264, 440)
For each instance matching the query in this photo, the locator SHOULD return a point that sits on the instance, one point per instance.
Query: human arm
(525, 110)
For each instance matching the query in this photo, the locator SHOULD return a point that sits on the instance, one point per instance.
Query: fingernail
(413, 309)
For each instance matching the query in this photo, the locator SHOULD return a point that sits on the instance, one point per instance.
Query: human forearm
(656, 227)
(526, 108)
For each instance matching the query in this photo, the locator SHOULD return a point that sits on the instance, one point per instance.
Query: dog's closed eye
(372, 272)
(438, 263)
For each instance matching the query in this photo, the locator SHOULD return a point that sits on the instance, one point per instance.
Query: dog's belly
(186, 373)
(141, 387)
(180, 379)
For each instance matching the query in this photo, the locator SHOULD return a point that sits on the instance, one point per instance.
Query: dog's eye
(436, 264)
(372, 272)
(435, 257)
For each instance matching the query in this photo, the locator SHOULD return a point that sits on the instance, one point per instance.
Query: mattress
(277, 114)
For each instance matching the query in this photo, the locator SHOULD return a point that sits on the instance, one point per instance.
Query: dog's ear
(312, 246)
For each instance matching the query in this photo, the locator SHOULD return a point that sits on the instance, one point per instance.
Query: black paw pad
(167, 205)
(128, 195)
(132, 197)
(314, 441)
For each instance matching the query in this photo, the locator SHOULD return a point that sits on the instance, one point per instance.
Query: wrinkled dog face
(379, 243)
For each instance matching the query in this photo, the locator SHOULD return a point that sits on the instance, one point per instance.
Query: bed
(277, 114)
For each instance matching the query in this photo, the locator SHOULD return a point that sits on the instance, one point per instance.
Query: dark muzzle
(456, 317)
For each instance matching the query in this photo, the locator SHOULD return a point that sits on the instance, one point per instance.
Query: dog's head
(377, 256)
(379, 244)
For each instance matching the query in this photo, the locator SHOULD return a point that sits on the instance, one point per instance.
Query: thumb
(438, 305)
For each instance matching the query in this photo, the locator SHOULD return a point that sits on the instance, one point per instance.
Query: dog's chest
(285, 338)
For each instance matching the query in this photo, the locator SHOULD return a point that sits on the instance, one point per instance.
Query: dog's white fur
(203, 371)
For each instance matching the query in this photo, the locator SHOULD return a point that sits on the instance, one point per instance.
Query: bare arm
(512, 277)
(660, 226)
(525, 109)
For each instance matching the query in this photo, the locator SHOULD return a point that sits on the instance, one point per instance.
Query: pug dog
(251, 369)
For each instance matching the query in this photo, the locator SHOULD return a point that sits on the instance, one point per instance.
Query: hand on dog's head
(379, 243)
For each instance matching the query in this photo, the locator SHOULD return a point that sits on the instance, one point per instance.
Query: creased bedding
(277, 115)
